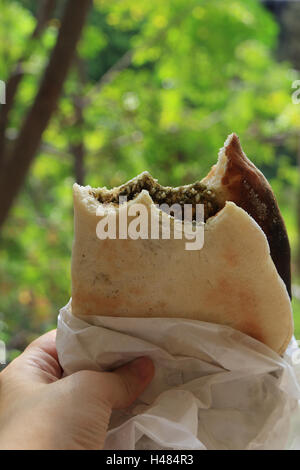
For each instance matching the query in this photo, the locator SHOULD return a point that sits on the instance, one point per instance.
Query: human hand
(41, 410)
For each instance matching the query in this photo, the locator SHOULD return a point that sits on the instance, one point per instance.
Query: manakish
(232, 280)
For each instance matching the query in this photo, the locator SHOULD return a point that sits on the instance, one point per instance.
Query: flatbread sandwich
(240, 277)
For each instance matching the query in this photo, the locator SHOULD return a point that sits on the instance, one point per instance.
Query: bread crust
(237, 179)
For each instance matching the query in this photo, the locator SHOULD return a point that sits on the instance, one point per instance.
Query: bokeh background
(98, 92)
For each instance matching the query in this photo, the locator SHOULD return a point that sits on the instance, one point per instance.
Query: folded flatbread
(240, 278)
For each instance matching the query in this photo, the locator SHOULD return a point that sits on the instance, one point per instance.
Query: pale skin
(41, 410)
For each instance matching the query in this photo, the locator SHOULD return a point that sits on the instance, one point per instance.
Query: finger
(39, 361)
(46, 342)
(124, 385)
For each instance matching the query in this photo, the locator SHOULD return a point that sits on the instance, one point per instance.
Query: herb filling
(195, 193)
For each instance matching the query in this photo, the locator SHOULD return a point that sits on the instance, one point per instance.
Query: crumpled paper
(214, 387)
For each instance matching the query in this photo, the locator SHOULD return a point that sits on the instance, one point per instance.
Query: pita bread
(231, 281)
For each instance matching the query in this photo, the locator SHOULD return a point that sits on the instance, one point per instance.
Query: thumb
(117, 389)
(87, 398)
(123, 386)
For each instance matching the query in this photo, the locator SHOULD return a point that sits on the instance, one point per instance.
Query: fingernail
(142, 367)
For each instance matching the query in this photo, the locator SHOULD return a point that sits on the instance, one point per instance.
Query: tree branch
(45, 10)
(78, 148)
(121, 64)
(44, 105)
(125, 61)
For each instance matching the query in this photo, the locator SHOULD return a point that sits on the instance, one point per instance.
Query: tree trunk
(78, 150)
(37, 120)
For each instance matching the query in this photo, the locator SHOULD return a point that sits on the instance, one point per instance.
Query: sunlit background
(154, 85)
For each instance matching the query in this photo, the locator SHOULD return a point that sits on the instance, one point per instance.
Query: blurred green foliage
(160, 85)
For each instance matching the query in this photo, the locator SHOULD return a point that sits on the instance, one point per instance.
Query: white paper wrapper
(214, 387)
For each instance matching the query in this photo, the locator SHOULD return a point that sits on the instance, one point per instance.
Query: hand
(41, 410)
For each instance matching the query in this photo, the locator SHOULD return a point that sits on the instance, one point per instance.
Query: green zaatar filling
(195, 193)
